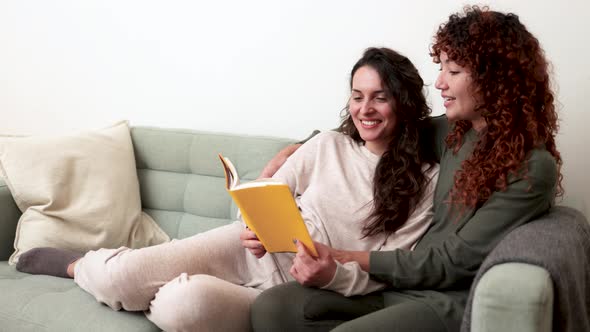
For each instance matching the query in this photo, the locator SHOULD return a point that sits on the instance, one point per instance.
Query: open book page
(269, 209)
(232, 179)
(231, 174)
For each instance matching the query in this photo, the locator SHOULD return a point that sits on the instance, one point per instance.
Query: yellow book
(269, 210)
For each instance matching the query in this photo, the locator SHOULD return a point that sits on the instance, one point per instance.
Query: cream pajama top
(331, 178)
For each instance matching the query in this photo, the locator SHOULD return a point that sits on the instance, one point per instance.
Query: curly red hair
(511, 80)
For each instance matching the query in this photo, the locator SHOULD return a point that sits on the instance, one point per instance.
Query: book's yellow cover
(269, 209)
(271, 212)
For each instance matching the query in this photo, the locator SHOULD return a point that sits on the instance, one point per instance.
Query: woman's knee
(279, 308)
(203, 303)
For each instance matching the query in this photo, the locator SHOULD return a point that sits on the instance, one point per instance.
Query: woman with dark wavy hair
(368, 188)
(399, 181)
(499, 169)
(370, 184)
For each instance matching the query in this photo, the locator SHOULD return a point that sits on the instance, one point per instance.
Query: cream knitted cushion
(77, 192)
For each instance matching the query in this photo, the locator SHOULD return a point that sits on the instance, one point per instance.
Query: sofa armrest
(513, 297)
(9, 215)
(557, 243)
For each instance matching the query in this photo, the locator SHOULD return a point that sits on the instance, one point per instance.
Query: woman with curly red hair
(499, 169)
(510, 97)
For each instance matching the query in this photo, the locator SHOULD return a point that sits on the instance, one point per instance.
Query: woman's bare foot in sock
(49, 261)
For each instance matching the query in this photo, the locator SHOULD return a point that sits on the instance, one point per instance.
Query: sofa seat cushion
(44, 303)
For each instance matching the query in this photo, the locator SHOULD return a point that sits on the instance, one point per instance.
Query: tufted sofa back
(181, 179)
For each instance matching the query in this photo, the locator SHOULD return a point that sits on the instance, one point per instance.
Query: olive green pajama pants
(292, 307)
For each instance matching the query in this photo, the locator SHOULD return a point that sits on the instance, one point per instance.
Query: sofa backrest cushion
(181, 179)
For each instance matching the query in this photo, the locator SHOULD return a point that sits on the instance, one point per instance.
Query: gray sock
(49, 261)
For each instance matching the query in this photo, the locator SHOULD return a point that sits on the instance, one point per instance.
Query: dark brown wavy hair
(511, 83)
(399, 181)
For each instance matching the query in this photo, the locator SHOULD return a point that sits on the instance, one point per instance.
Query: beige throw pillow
(77, 192)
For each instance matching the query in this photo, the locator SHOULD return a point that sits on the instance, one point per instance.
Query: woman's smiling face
(372, 109)
(455, 83)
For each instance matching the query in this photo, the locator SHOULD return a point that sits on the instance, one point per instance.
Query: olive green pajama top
(440, 269)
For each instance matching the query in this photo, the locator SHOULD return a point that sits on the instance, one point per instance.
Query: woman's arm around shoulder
(277, 161)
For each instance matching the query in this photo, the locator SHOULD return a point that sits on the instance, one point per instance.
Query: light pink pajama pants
(202, 283)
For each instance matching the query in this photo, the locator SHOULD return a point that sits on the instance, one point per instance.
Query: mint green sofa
(182, 188)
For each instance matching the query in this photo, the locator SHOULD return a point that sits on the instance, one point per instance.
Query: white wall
(258, 67)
